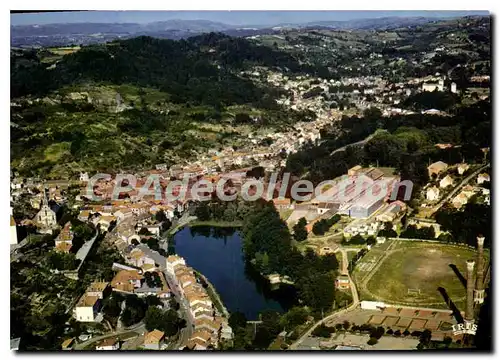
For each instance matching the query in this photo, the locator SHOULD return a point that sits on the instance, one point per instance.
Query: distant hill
(88, 33)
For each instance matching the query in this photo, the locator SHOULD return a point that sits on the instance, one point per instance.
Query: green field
(369, 261)
(422, 267)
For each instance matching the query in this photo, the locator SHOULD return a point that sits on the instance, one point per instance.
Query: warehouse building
(365, 207)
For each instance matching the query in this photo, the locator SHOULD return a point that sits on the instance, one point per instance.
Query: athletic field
(412, 272)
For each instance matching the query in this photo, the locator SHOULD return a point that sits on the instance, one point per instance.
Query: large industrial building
(365, 207)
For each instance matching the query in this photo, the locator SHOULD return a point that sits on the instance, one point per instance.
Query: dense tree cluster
(426, 100)
(322, 226)
(464, 225)
(153, 279)
(267, 242)
(135, 310)
(408, 144)
(198, 70)
(299, 230)
(166, 321)
(62, 261)
(412, 232)
(221, 210)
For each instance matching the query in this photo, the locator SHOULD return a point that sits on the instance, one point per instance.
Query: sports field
(412, 272)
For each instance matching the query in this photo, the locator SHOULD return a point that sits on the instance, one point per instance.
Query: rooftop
(98, 286)
(438, 165)
(201, 334)
(153, 337)
(86, 301)
(107, 342)
(67, 343)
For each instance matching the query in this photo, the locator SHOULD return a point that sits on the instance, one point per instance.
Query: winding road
(138, 328)
(361, 142)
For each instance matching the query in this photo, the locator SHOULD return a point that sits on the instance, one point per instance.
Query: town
(387, 249)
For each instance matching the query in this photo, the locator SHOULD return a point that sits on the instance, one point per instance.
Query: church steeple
(44, 199)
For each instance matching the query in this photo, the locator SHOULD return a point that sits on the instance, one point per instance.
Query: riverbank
(192, 221)
(216, 252)
(212, 292)
(216, 223)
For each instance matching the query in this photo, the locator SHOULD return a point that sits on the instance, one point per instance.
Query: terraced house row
(209, 328)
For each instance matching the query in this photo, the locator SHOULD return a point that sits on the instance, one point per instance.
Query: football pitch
(414, 272)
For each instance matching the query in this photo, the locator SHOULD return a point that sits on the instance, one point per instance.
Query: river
(217, 253)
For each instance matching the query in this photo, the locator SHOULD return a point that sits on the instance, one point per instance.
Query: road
(186, 332)
(361, 142)
(138, 328)
(354, 305)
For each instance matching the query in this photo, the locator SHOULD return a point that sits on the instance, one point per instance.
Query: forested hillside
(129, 103)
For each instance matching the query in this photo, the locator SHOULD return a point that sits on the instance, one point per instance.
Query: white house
(108, 344)
(432, 194)
(84, 177)
(380, 239)
(154, 229)
(460, 200)
(172, 262)
(86, 309)
(13, 231)
(461, 168)
(481, 178)
(437, 168)
(446, 181)
(123, 214)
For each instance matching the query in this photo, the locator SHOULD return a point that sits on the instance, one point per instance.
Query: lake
(217, 253)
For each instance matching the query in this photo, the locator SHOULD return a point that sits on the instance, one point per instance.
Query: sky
(228, 17)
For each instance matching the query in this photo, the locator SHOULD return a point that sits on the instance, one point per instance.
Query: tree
(294, 317)
(152, 300)
(153, 318)
(318, 228)
(160, 216)
(372, 114)
(322, 331)
(387, 231)
(173, 304)
(299, 230)
(357, 239)
(447, 341)
(237, 320)
(425, 338)
(112, 306)
(346, 325)
(317, 290)
(166, 321)
(377, 333)
(144, 231)
(372, 341)
(202, 211)
(135, 309)
(62, 261)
